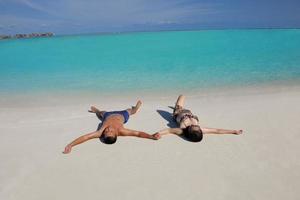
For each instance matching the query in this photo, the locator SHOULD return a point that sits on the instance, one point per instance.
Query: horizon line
(172, 30)
(153, 31)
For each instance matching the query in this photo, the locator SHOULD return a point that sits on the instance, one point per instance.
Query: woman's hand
(156, 136)
(68, 149)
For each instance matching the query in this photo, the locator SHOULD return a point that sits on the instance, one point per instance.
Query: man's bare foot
(137, 106)
(238, 132)
(94, 109)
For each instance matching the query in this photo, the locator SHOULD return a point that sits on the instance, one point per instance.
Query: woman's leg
(180, 101)
(177, 114)
(179, 105)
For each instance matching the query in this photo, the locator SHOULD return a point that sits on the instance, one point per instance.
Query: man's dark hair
(193, 133)
(109, 140)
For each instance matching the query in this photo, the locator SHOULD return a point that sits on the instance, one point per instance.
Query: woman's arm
(81, 139)
(220, 131)
(176, 131)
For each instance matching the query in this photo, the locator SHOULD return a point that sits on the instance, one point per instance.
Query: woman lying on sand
(112, 127)
(188, 125)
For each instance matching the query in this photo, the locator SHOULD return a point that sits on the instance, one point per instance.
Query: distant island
(30, 35)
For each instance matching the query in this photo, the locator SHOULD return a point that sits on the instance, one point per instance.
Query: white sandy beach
(262, 163)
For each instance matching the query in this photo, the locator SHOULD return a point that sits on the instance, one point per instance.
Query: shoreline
(84, 97)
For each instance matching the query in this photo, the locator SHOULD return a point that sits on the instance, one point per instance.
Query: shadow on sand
(98, 128)
(99, 125)
(171, 122)
(168, 117)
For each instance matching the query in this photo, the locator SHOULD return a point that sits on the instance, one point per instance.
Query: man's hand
(156, 136)
(68, 149)
(238, 132)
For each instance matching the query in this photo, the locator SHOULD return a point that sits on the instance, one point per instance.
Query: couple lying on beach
(112, 126)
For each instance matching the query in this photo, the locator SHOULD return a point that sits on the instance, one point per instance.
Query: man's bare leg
(97, 112)
(135, 108)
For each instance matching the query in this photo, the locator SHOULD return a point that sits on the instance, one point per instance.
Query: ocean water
(154, 61)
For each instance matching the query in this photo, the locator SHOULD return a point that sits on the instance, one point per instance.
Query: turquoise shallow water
(149, 61)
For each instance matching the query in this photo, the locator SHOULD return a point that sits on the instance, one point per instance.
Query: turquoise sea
(155, 61)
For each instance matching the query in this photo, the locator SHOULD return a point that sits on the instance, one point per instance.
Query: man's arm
(220, 131)
(81, 139)
(128, 132)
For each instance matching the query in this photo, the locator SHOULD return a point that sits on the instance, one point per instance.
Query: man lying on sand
(188, 125)
(112, 127)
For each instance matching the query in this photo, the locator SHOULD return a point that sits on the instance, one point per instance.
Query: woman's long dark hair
(193, 133)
